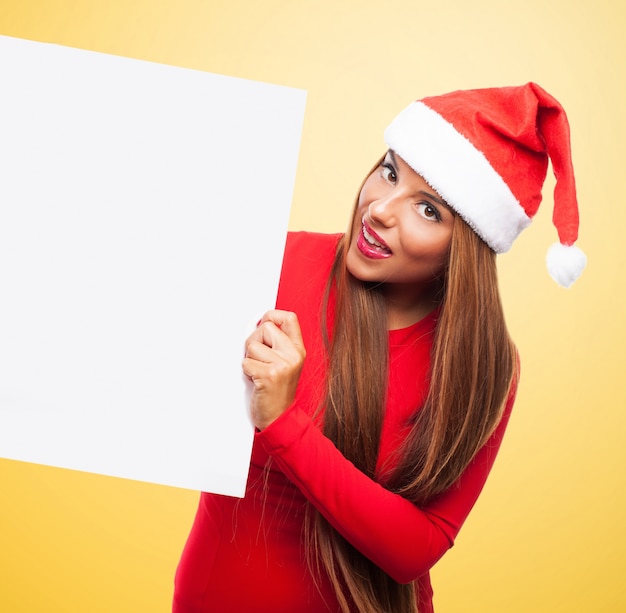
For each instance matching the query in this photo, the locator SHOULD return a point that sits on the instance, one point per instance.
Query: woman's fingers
(278, 331)
(274, 358)
(287, 322)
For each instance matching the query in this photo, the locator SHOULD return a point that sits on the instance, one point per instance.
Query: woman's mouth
(370, 244)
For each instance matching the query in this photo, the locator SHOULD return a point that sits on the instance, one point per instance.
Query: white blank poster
(143, 216)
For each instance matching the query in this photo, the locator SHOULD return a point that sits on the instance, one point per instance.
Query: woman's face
(401, 230)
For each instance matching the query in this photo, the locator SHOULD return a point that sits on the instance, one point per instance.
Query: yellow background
(547, 535)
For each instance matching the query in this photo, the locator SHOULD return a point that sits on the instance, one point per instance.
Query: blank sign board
(143, 216)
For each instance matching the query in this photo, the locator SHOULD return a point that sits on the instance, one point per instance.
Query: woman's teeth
(371, 240)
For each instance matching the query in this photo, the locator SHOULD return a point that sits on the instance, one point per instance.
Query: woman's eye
(388, 173)
(429, 212)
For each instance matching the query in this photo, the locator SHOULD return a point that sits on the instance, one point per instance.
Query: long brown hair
(472, 366)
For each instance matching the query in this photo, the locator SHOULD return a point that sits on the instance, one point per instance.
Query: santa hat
(485, 152)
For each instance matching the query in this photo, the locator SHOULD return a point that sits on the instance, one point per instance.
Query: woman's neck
(405, 309)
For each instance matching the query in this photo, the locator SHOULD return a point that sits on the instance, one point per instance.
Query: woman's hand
(274, 358)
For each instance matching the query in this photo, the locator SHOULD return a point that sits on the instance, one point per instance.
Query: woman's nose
(383, 210)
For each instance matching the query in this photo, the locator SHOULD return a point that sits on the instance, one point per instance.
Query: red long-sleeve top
(247, 556)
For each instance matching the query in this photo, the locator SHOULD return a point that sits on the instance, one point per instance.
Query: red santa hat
(486, 152)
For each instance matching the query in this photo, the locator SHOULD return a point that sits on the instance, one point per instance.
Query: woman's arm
(402, 539)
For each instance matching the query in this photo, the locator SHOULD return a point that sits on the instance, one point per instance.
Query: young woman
(384, 379)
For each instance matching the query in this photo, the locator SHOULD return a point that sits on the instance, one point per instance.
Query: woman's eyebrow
(434, 197)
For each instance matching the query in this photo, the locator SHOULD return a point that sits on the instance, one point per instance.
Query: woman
(384, 379)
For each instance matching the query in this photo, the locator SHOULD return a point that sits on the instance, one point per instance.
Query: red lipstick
(371, 245)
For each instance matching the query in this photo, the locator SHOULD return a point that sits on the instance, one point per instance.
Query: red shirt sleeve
(401, 538)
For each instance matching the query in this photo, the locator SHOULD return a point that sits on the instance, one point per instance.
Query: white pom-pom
(565, 263)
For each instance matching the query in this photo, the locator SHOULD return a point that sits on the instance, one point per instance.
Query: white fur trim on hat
(459, 173)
